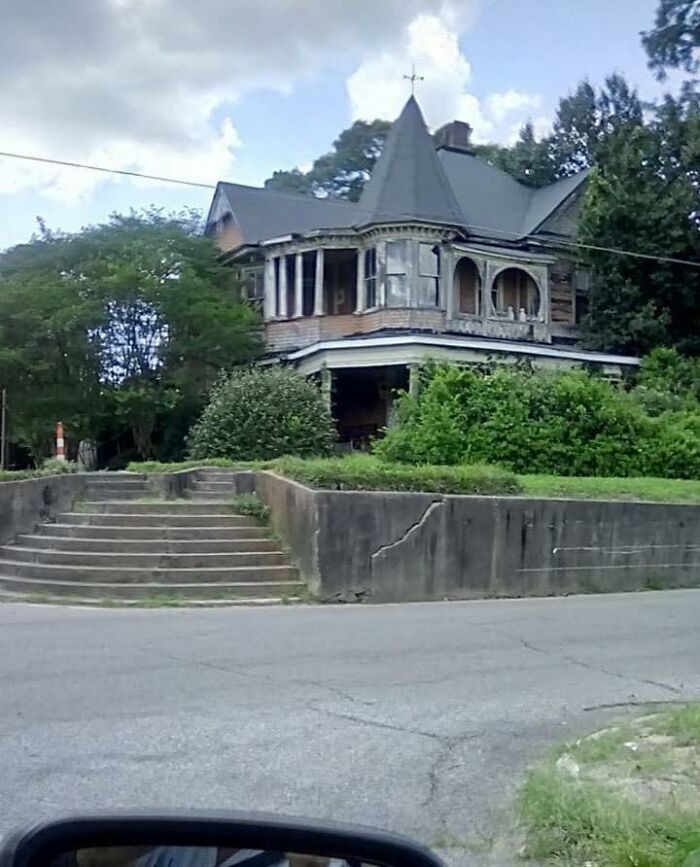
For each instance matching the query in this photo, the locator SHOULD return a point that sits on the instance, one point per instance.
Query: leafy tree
(586, 120)
(641, 200)
(674, 40)
(343, 171)
(259, 414)
(118, 325)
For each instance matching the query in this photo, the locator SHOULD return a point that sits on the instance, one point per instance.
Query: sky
(232, 89)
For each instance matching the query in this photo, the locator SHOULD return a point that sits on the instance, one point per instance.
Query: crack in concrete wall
(416, 525)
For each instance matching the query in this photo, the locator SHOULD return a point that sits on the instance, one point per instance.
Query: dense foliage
(569, 424)
(259, 414)
(343, 171)
(119, 331)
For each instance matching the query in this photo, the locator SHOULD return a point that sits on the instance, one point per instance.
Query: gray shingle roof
(264, 214)
(411, 181)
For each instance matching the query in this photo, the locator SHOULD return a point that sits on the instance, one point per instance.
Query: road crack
(590, 667)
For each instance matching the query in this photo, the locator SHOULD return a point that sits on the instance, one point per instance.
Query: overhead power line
(105, 170)
(542, 241)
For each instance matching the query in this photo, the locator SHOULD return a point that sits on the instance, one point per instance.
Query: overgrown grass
(583, 817)
(594, 488)
(50, 467)
(367, 473)
(682, 723)
(357, 472)
(224, 463)
(252, 506)
(574, 823)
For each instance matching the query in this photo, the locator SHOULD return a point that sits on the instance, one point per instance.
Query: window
(468, 286)
(371, 277)
(396, 282)
(428, 274)
(253, 280)
(515, 294)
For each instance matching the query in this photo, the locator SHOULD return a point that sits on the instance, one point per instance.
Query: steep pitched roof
(263, 214)
(495, 204)
(411, 181)
(408, 181)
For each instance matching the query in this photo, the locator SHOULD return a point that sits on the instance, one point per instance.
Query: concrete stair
(211, 483)
(120, 545)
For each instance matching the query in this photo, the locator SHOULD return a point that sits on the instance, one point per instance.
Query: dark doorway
(339, 281)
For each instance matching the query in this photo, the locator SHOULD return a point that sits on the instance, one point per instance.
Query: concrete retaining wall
(23, 504)
(387, 547)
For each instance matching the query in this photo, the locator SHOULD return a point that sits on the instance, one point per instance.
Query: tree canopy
(343, 171)
(121, 327)
(674, 40)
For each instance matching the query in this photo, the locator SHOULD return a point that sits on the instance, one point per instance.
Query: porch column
(299, 285)
(447, 278)
(269, 289)
(327, 387)
(318, 286)
(361, 299)
(413, 379)
(283, 288)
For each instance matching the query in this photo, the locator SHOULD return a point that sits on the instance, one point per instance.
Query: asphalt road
(417, 718)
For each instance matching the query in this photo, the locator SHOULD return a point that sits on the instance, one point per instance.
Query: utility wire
(516, 235)
(106, 170)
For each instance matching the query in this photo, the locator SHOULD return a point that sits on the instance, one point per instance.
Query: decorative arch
(467, 283)
(515, 293)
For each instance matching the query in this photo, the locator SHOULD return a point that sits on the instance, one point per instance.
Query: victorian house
(444, 257)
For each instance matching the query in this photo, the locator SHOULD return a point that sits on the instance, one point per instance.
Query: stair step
(115, 493)
(157, 507)
(212, 485)
(211, 496)
(139, 560)
(147, 546)
(98, 592)
(117, 484)
(168, 576)
(126, 519)
(204, 532)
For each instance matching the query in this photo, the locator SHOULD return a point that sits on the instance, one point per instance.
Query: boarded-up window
(515, 294)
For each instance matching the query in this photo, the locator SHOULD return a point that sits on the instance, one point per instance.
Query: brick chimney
(454, 136)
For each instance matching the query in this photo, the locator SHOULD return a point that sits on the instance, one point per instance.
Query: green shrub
(367, 473)
(565, 424)
(54, 467)
(252, 506)
(260, 414)
(674, 450)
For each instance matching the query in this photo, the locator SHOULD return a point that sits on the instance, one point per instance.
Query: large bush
(569, 424)
(260, 414)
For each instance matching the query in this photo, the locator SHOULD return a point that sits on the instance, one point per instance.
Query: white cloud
(376, 88)
(501, 104)
(134, 83)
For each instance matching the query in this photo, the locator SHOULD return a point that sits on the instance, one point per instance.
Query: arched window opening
(515, 294)
(468, 285)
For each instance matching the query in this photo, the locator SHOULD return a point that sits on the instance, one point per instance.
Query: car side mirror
(204, 840)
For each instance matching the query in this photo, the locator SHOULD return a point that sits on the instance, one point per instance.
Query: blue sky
(226, 91)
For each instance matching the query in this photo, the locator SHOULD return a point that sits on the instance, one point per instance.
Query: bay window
(428, 275)
(396, 278)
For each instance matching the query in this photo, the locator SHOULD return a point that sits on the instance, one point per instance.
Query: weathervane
(413, 78)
